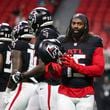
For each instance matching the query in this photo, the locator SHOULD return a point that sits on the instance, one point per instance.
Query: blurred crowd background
(98, 13)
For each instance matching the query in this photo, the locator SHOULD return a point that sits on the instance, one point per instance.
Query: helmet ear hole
(46, 44)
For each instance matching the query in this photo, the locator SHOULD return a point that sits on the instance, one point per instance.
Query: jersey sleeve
(19, 45)
(2, 47)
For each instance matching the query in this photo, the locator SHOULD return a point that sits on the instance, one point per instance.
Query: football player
(22, 60)
(49, 51)
(82, 61)
(5, 58)
(41, 22)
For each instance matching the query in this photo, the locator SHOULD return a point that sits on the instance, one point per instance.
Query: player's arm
(1, 62)
(38, 70)
(16, 66)
(18, 76)
(95, 69)
(16, 61)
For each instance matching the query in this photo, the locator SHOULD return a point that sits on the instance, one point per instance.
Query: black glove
(17, 77)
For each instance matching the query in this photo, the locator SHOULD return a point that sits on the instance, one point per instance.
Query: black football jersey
(28, 52)
(5, 50)
(82, 53)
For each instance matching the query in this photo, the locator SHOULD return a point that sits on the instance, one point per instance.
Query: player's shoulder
(95, 39)
(20, 45)
(3, 47)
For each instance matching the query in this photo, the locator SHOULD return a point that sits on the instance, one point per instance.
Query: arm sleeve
(97, 67)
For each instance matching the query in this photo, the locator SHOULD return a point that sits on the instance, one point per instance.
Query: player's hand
(68, 61)
(16, 78)
(53, 69)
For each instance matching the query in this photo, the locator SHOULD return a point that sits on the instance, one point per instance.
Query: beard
(77, 33)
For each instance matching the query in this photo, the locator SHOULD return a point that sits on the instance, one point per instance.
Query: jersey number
(8, 64)
(76, 57)
(32, 61)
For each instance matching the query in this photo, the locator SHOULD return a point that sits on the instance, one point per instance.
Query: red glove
(68, 61)
(53, 70)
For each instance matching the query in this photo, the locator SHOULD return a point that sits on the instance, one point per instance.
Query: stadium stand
(98, 13)
(10, 10)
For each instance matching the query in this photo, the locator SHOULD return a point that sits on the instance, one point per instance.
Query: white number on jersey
(76, 57)
(8, 62)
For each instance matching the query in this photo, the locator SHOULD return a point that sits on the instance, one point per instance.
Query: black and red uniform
(88, 55)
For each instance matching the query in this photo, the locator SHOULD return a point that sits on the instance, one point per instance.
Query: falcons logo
(53, 51)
